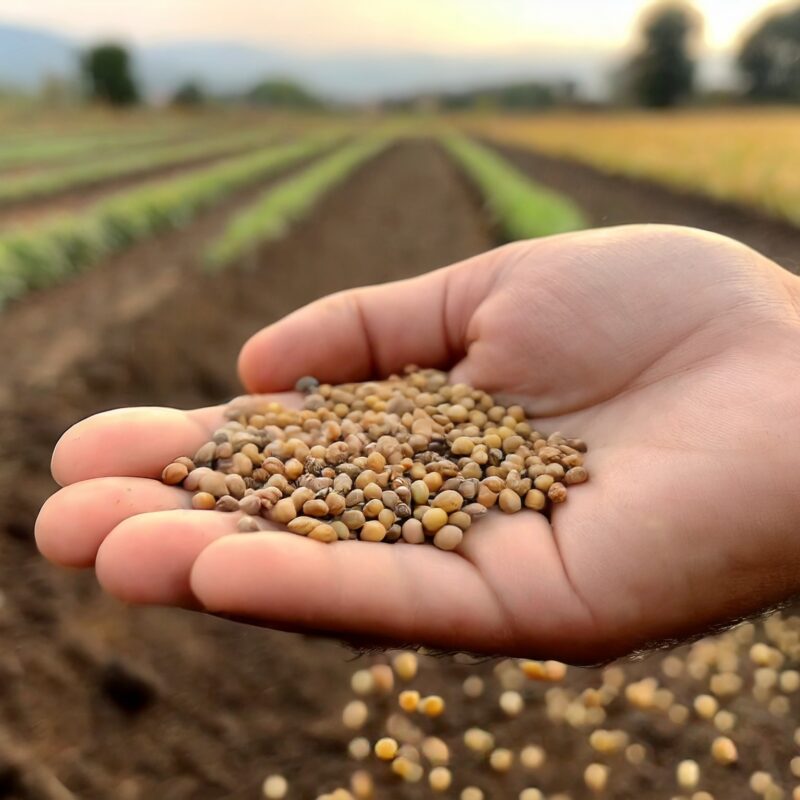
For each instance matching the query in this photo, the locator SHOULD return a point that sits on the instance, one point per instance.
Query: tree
(661, 74)
(770, 57)
(279, 93)
(107, 73)
(189, 94)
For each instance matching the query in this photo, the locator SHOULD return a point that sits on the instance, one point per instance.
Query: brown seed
(250, 505)
(557, 493)
(236, 486)
(448, 537)
(302, 525)
(460, 519)
(486, 497)
(247, 525)
(373, 531)
(372, 509)
(335, 503)
(205, 454)
(315, 508)
(284, 511)
(433, 519)
(509, 501)
(475, 510)
(575, 475)
(213, 483)
(323, 533)
(353, 519)
(420, 492)
(174, 473)
(204, 501)
(372, 491)
(462, 446)
(543, 482)
(227, 503)
(413, 532)
(535, 499)
(386, 518)
(342, 531)
(448, 501)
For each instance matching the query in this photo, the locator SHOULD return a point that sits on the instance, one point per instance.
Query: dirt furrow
(162, 703)
(616, 200)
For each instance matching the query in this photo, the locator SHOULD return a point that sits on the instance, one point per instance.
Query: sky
(445, 27)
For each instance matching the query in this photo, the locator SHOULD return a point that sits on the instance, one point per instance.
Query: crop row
(55, 250)
(745, 156)
(81, 175)
(278, 208)
(520, 208)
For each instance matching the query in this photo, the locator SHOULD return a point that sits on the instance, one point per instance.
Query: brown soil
(616, 200)
(133, 704)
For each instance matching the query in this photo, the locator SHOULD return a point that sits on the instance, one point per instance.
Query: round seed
(531, 757)
(275, 787)
(460, 519)
(471, 793)
(373, 531)
(509, 501)
(440, 779)
(434, 519)
(449, 501)
(501, 759)
(204, 501)
(353, 519)
(688, 774)
(408, 700)
(386, 748)
(535, 499)
(511, 703)
(405, 665)
(174, 473)
(413, 532)
(323, 533)
(432, 706)
(595, 777)
(723, 751)
(448, 537)
(355, 715)
(247, 525)
(315, 508)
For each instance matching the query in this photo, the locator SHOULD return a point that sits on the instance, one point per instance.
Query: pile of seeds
(411, 458)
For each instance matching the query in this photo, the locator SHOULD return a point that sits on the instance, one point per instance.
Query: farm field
(98, 700)
(746, 156)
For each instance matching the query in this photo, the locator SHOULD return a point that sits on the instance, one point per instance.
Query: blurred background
(176, 174)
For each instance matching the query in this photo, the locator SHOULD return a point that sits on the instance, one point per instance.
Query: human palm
(673, 353)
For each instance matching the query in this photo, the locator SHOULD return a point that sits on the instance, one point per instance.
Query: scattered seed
(723, 751)
(275, 787)
(355, 715)
(405, 665)
(595, 777)
(440, 779)
(501, 759)
(386, 748)
(359, 748)
(688, 774)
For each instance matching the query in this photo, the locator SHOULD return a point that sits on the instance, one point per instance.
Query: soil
(617, 200)
(98, 700)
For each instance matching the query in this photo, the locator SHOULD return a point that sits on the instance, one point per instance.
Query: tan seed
(204, 501)
(373, 531)
(448, 537)
(449, 501)
(509, 501)
(174, 473)
(434, 519)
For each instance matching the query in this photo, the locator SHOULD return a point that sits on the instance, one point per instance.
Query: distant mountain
(28, 56)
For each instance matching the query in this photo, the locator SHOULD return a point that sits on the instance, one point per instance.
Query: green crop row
(521, 208)
(122, 165)
(53, 251)
(280, 207)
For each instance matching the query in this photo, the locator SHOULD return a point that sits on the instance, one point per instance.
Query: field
(137, 289)
(746, 156)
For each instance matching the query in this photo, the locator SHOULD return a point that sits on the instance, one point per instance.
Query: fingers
(376, 330)
(136, 442)
(402, 593)
(74, 522)
(148, 558)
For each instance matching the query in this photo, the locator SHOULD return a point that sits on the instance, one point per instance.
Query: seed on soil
(405, 665)
(501, 759)
(359, 748)
(361, 785)
(355, 715)
(531, 757)
(386, 748)
(440, 779)
(596, 777)
(723, 751)
(409, 459)
(432, 706)
(408, 700)
(471, 793)
(688, 774)
(275, 787)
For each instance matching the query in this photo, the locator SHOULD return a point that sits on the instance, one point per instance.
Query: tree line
(661, 74)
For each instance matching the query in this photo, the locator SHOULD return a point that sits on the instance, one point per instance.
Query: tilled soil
(617, 200)
(102, 701)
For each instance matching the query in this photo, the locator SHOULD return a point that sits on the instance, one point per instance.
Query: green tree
(189, 94)
(770, 57)
(279, 93)
(107, 74)
(661, 74)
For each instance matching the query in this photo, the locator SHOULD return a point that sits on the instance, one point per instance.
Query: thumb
(372, 331)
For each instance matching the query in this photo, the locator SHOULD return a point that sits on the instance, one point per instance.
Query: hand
(675, 354)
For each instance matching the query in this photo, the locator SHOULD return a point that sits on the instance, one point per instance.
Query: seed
(247, 525)
(448, 501)
(383, 678)
(557, 493)
(789, 681)
(315, 508)
(323, 533)
(434, 519)
(283, 511)
(544, 482)
(448, 538)
(511, 703)
(227, 504)
(353, 519)
(501, 759)
(688, 774)
(373, 531)
(174, 473)
(413, 532)
(635, 753)
(531, 757)
(535, 499)
(760, 781)
(509, 501)
(359, 748)
(531, 794)
(462, 446)
(473, 686)
(362, 785)
(275, 787)
(724, 721)
(436, 751)
(420, 492)
(251, 504)
(204, 501)
(432, 706)
(478, 740)
(408, 700)
(342, 531)
(440, 779)
(405, 665)
(355, 715)
(575, 475)
(723, 751)
(706, 706)
(471, 793)
(362, 682)
(213, 483)
(595, 777)
(386, 748)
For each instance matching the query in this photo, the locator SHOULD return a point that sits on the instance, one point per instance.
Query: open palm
(673, 353)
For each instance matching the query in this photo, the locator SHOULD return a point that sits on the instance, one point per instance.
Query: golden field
(749, 156)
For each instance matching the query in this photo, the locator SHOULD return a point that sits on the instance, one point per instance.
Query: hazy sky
(443, 26)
